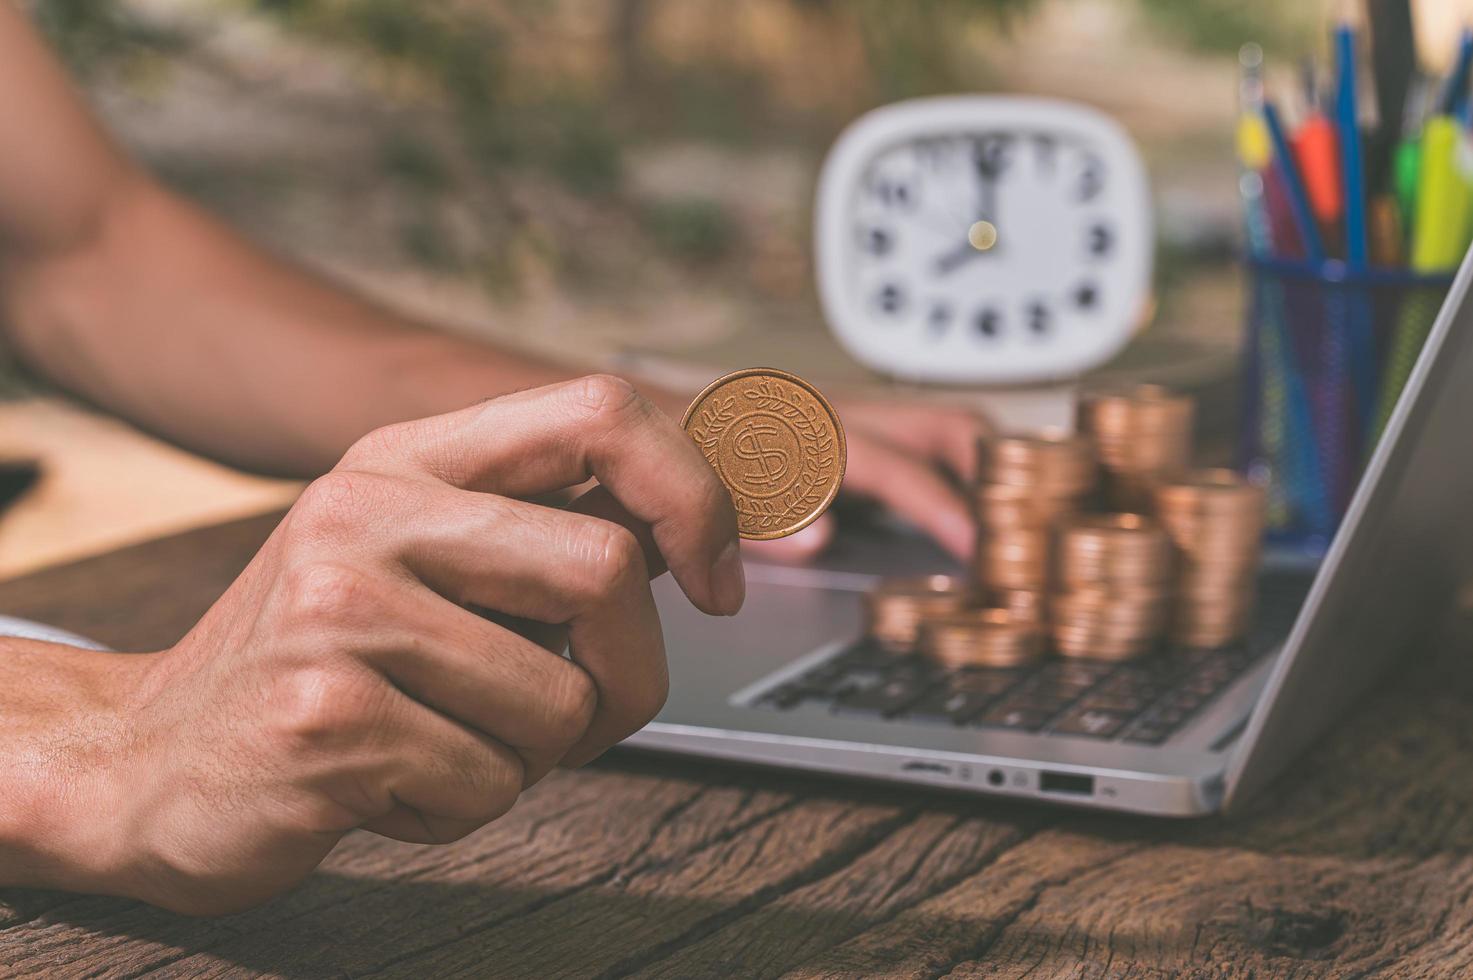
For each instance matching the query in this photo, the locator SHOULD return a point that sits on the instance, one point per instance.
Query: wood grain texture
(1358, 863)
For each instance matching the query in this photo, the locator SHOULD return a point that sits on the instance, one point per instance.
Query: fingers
(806, 544)
(550, 566)
(945, 435)
(439, 781)
(486, 677)
(547, 438)
(372, 751)
(913, 490)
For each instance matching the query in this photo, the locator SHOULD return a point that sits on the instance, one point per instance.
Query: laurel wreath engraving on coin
(762, 424)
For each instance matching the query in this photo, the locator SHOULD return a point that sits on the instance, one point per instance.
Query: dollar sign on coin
(777, 445)
(772, 461)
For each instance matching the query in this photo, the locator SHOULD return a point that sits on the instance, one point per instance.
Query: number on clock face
(923, 263)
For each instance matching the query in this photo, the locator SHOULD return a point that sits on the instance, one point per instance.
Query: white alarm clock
(992, 239)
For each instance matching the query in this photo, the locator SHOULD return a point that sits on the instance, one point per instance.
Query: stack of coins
(1021, 605)
(1215, 519)
(1144, 437)
(1115, 572)
(895, 608)
(1026, 485)
(981, 638)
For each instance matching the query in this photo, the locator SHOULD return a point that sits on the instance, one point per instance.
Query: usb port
(1065, 782)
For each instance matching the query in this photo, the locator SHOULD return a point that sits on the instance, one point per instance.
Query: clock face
(997, 241)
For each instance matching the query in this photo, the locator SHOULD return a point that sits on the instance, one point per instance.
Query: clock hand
(988, 163)
(947, 261)
(981, 240)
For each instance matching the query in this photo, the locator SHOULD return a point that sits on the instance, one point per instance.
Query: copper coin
(777, 445)
(980, 638)
(1056, 463)
(895, 608)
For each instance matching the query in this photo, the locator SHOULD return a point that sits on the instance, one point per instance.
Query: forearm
(143, 303)
(63, 730)
(170, 319)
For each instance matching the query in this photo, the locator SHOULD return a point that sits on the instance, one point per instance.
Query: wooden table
(1358, 862)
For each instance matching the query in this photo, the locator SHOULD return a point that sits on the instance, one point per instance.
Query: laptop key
(1184, 702)
(889, 698)
(1054, 689)
(990, 682)
(1126, 704)
(1043, 701)
(1148, 734)
(1017, 719)
(954, 705)
(791, 695)
(1082, 674)
(1169, 716)
(1091, 722)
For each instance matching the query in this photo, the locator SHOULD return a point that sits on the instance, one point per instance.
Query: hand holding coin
(777, 445)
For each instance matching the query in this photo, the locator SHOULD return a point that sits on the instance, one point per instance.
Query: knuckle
(487, 787)
(336, 502)
(571, 701)
(377, 444)
(504, 786)
(326, 592)
(321, 706)
(615, 558)
(606, 398)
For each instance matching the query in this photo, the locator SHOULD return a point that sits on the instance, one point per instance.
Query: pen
(1255, 152)
(1441, 198)
(1294, 188)
(1406, 163)
(1318, 156)
(1438, 238)
(1393, 71)
(1348, 126)
(1455, 92)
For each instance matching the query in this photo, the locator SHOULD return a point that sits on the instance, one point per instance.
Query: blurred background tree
(614, 174)
(564, 89)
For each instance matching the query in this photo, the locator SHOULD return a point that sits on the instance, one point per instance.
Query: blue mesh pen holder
(1326, 355)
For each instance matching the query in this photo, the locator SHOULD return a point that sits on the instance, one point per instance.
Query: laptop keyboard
(1142, 701)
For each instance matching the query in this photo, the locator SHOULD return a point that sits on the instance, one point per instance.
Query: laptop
(792, 682)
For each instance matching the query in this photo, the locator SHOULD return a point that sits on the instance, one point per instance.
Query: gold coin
(895, 608)
(1052, 462)
(1023, 605)
(777, 445)
(980, 638)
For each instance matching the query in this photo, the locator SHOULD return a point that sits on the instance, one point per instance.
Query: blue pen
(1298, 199)
(1456, 91)
(1348, 127)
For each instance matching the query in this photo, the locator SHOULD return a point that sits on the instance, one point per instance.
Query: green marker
(1441, 200)
(1406, 167)
(1439, 238)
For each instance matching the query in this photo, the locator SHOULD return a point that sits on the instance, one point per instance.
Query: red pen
(1317, 152)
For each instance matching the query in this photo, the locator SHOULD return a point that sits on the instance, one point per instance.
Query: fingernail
(729, 580)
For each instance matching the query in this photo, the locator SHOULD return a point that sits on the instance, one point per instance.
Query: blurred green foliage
(911, 46)
(1225, 25)
(510, 118)
(92, 35)
(698, 229)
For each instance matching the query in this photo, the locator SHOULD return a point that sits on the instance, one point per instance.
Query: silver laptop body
(760, 688)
